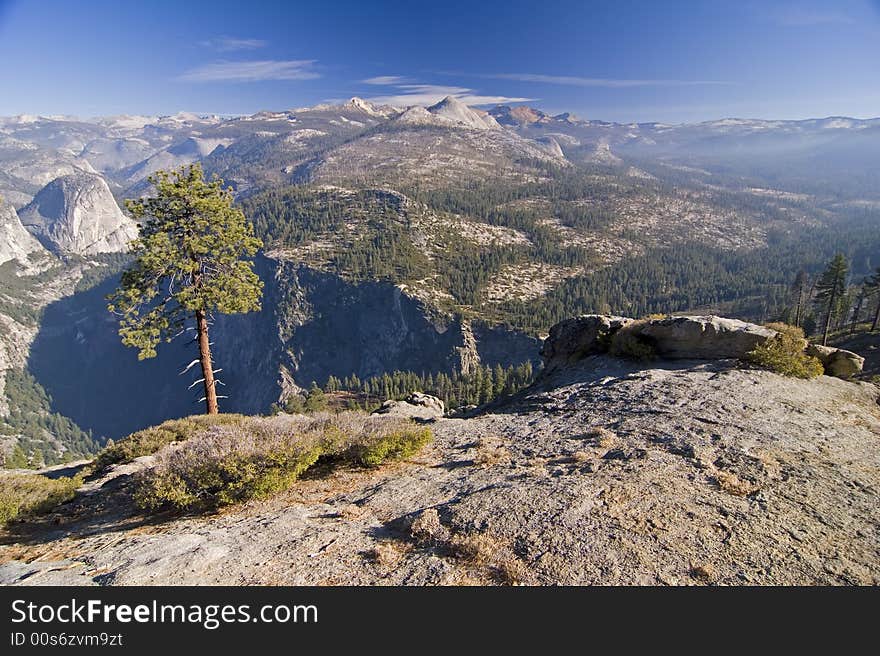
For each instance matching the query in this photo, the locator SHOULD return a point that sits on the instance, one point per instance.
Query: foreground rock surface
(701, 474)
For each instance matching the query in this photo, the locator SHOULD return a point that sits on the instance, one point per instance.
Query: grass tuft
(22, 495)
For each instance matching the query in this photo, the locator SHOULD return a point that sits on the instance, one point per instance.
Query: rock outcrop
(677, 338)
(415, 406)
(16, 243)
(574, 339)
(77, 214)
(704, 338)
(836, 361)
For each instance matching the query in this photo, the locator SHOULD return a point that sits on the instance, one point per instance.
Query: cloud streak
(612, 83)
(230, 44)
(253, 71)
(386, 80)
(430, 94)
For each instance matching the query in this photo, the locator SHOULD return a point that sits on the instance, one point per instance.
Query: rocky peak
(517, 116)
(365, 106)
(16, 243)
(454, 110)
(77, 214)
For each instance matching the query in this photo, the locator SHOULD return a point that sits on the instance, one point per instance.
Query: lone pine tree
(189, 264)
(830, 290)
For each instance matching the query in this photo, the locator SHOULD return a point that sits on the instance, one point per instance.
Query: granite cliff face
(313, 324)
(16, 243)
(77, 214)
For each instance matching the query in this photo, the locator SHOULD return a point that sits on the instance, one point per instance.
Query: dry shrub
(489, 555)
(733, 484)
(784, 353)
(603, 437)
(475, 548)
(628, 342)
(31, 494)
(704, 572)
(385, 554)
(491, 452)
(511, 571)
(150, 440)
(427, 529)
(581, 457)
(256, 457)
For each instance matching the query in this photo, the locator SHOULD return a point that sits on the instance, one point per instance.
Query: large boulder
(704, 338)
(837, 362)
(415, 406)
(573, 339)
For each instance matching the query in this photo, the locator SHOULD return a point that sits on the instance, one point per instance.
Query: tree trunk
(858, 312)
(831, 303)
(207, 367)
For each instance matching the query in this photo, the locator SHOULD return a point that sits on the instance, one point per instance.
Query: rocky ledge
(684, 337)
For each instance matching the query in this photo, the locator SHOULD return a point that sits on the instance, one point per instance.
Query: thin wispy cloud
(406, 95)
(230, 44)
(253, 71)
(612, 83)
(386, 80)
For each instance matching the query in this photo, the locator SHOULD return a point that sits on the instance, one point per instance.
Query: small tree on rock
(189, 264)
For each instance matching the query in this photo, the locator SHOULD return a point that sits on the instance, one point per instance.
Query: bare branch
(188, 367)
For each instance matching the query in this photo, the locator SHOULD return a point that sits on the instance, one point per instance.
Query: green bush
(225, 480)
(259, 456)
(29, 494)
(394, 446)
(150, 440)
(784, 353)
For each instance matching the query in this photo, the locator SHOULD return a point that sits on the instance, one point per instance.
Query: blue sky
(625, 60)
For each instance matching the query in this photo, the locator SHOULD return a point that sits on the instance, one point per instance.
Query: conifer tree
(799, 288)
(190, 262)
(830, 290)
(871, 287)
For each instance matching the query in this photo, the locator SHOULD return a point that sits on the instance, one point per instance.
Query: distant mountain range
(359, 140)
